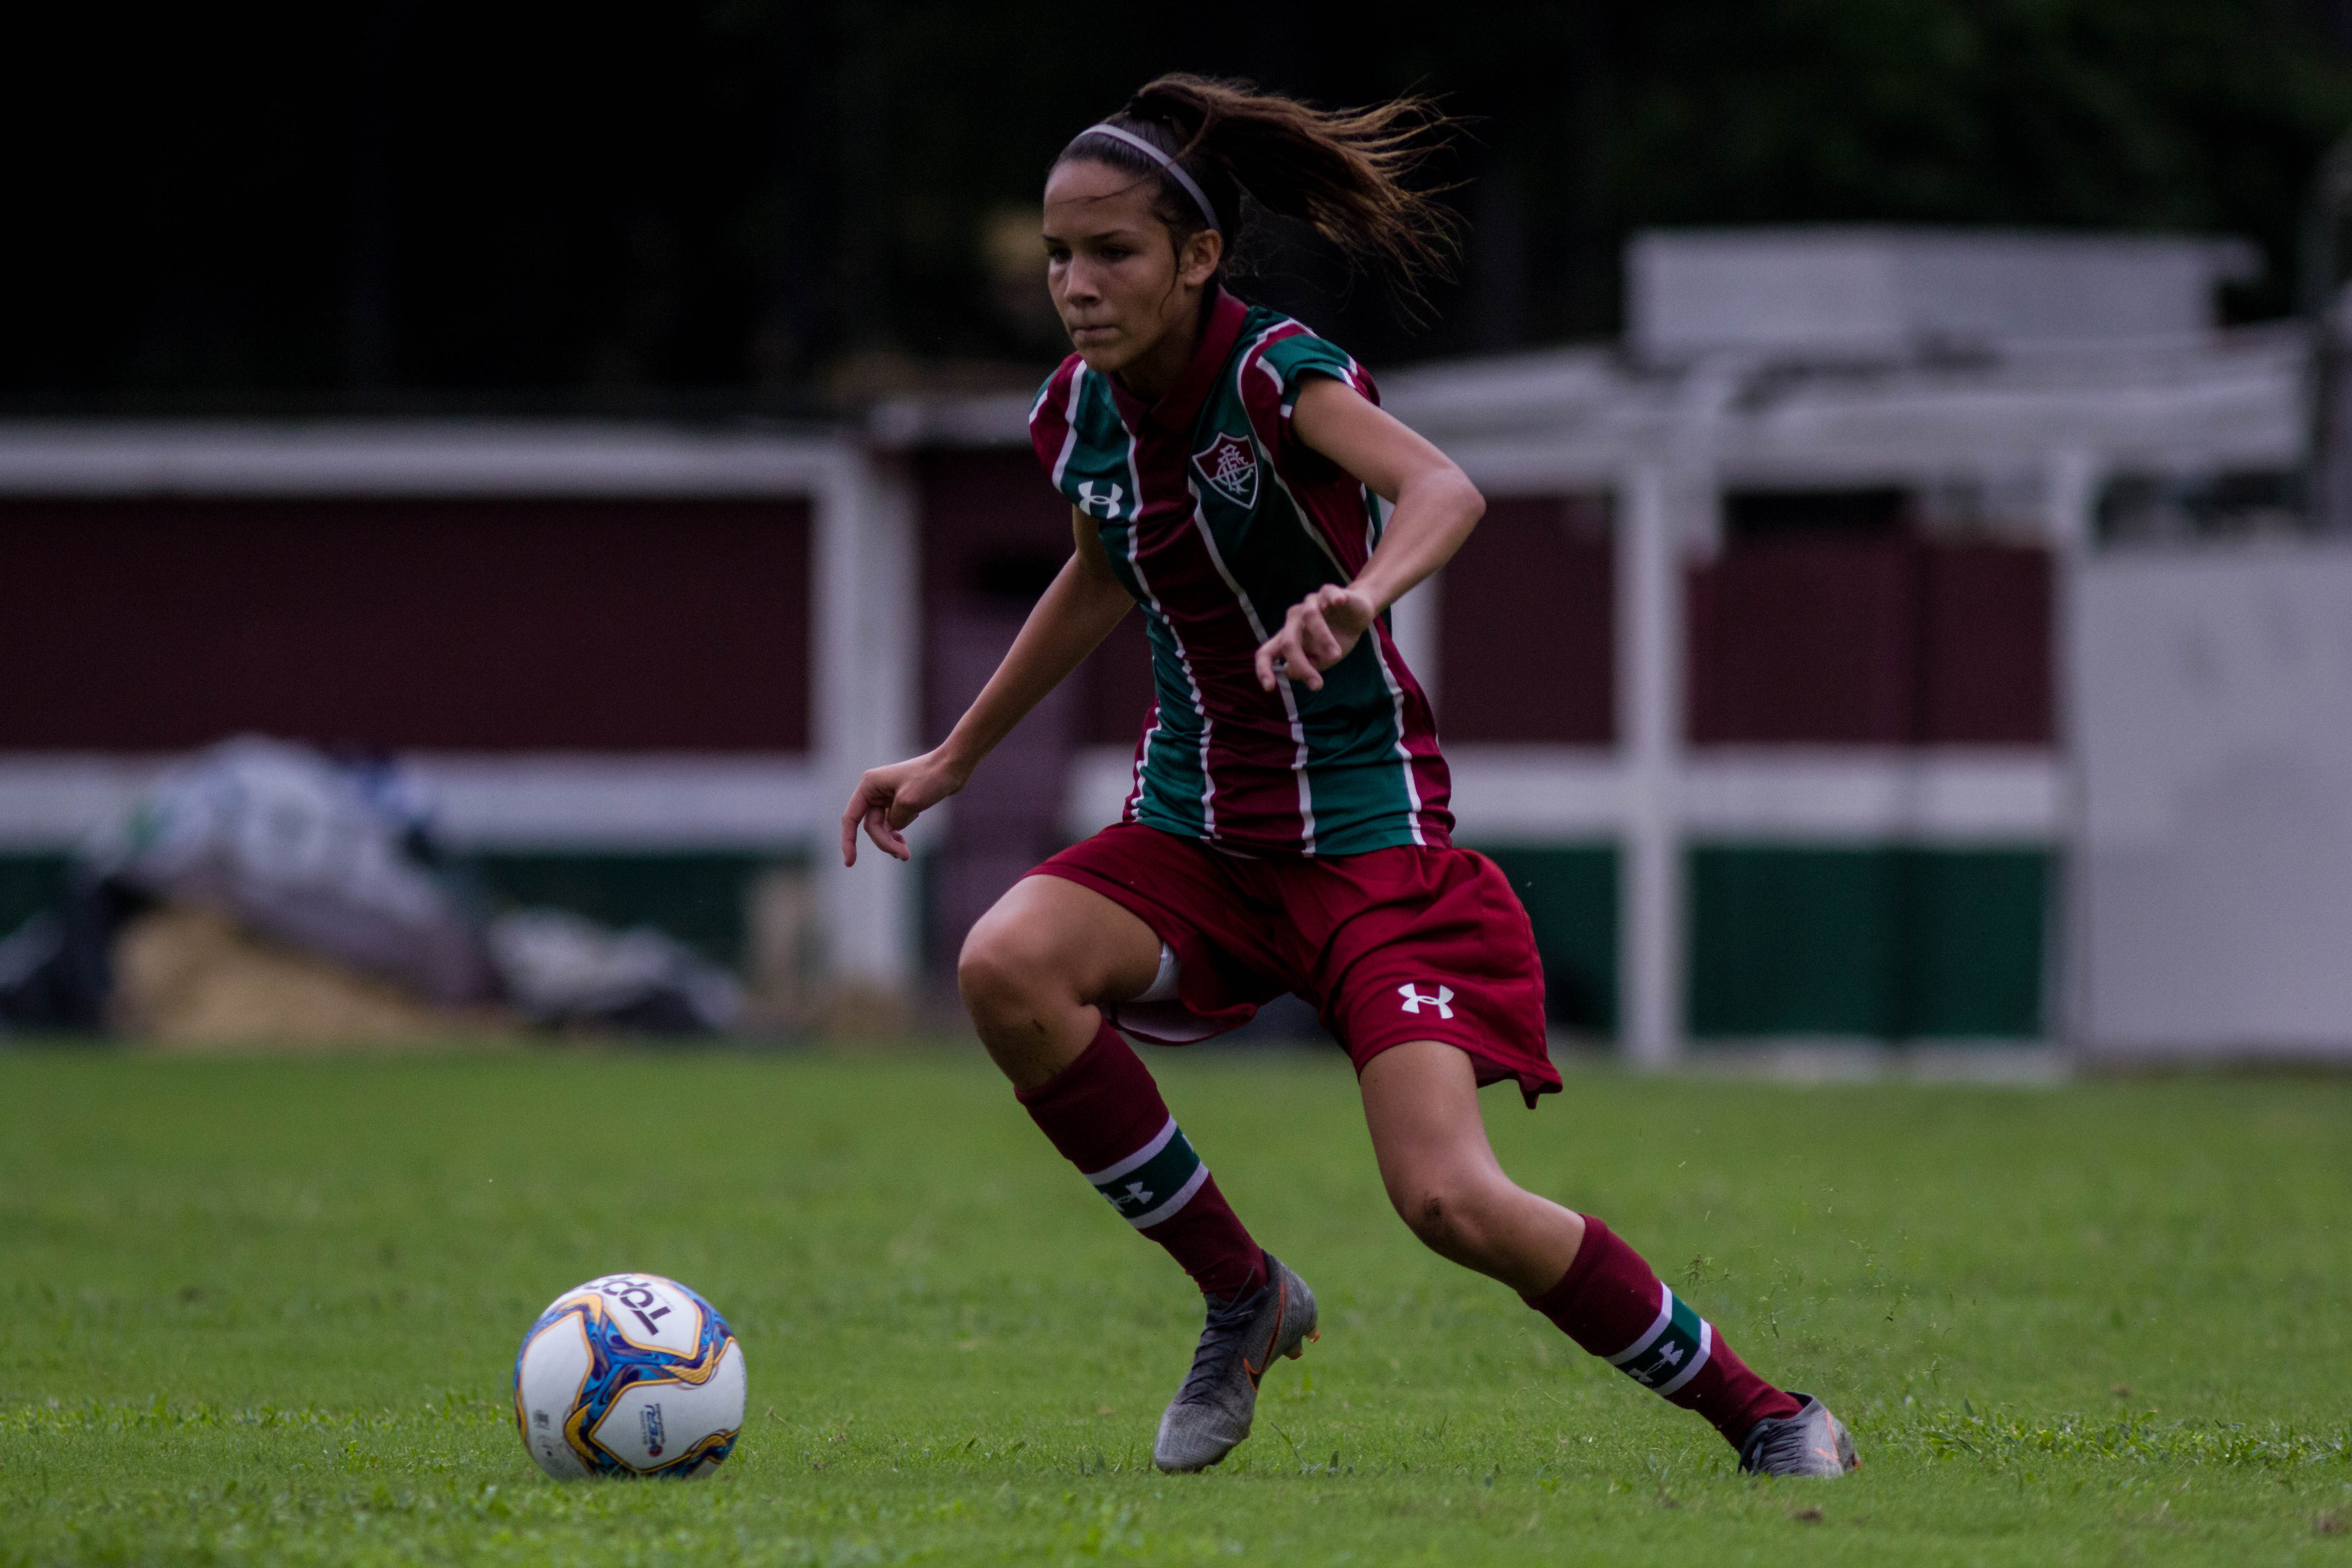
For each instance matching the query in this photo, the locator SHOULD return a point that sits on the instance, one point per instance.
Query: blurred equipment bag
(561, 969)
(324, 858)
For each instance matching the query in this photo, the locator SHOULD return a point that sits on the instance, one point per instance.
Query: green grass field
(266, 1311)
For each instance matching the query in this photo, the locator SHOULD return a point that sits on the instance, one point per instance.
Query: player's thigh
(1420, 1106)
(1050, 934)
(1446, 955)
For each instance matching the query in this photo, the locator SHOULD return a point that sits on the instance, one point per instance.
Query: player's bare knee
(994, 972)
(1432, 1220)
(1436, 1211)
(1453, 1216)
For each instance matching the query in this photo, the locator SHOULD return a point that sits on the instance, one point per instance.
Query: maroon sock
(1106, 1116)
(1610, 1303)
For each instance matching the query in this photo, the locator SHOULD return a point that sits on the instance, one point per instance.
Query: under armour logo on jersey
(1088, 500)
(1414, 1000)
(1229, 466)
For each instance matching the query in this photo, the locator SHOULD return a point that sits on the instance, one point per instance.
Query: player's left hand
(1319, 631)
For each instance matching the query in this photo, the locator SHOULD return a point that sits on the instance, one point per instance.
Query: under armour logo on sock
(1150, 1185)
(1414, 1000)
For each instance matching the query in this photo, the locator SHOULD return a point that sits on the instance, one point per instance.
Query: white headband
(1199, 198)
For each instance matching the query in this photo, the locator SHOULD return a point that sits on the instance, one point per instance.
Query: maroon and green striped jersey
(1218, 520)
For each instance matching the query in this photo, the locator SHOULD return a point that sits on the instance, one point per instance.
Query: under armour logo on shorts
(1414, 1000)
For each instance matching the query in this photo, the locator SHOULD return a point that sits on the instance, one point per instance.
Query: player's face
(1114, 271)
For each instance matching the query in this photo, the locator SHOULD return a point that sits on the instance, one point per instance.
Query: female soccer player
(1287, 829)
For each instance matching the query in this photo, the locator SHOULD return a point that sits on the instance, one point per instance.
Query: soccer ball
(630, 1375)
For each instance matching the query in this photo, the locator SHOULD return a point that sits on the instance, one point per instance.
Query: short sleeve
(1278, 368)
(1293, 361)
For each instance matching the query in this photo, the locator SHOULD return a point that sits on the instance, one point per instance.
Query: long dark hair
(1341, 172)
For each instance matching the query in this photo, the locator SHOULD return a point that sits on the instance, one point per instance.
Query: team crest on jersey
(1231, 467)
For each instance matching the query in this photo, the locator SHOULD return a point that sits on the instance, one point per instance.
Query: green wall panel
(1879, 942)
(1789, 940)
(1570, 894)
(1888, 942)
(700, 897)
(1977, 920)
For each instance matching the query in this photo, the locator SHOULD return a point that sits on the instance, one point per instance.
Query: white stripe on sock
(1666, 1316)
(1706, 1347)
(1140, 1157)
(1183, 1195)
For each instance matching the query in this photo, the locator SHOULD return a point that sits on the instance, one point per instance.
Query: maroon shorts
(1399, 944)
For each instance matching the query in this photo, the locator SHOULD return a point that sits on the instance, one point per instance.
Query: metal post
(864, 634)
(1413, 622)
(1649, 699)
(2070, 500)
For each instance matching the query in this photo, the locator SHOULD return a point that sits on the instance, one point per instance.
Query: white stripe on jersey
(1306, 521)
(1371, 541)
(1289, 698)
(1396, 700)
(1070, 418)
(1184, 660)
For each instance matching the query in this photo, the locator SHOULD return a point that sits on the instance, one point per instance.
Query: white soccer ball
(630, 1375)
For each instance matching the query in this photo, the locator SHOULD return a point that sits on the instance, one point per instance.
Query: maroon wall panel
(1527, 631)
(1826, 639)
(472, 625)
(993, 534)
(1804, 638)
(1986, 676)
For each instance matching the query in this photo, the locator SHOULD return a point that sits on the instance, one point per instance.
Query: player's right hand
(886, 799)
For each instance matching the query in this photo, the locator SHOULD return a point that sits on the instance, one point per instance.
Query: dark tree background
(755, 204)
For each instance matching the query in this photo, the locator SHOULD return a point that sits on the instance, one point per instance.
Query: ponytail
(1341, 172)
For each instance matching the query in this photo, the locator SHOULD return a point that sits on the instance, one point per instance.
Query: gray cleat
(1812, 1442)
(1211, 1412)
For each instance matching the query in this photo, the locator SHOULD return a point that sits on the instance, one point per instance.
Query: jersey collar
(1176, 411)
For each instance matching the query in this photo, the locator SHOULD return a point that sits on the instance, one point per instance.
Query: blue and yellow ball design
(629, 1374)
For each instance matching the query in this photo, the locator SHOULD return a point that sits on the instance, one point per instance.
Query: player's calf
(1483, 1221)
(1104, 1113)
(1421, 1104)
(1613, 1304)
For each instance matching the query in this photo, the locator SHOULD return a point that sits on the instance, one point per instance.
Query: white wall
(2213, 695)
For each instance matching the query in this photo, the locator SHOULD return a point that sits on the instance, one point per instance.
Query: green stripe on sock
(1666, 1357)
(1139, 1194)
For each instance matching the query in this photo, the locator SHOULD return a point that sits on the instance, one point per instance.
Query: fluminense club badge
(1231, 467)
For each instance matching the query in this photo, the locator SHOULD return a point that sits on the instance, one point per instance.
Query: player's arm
(1437, 506)
(1085, 601)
